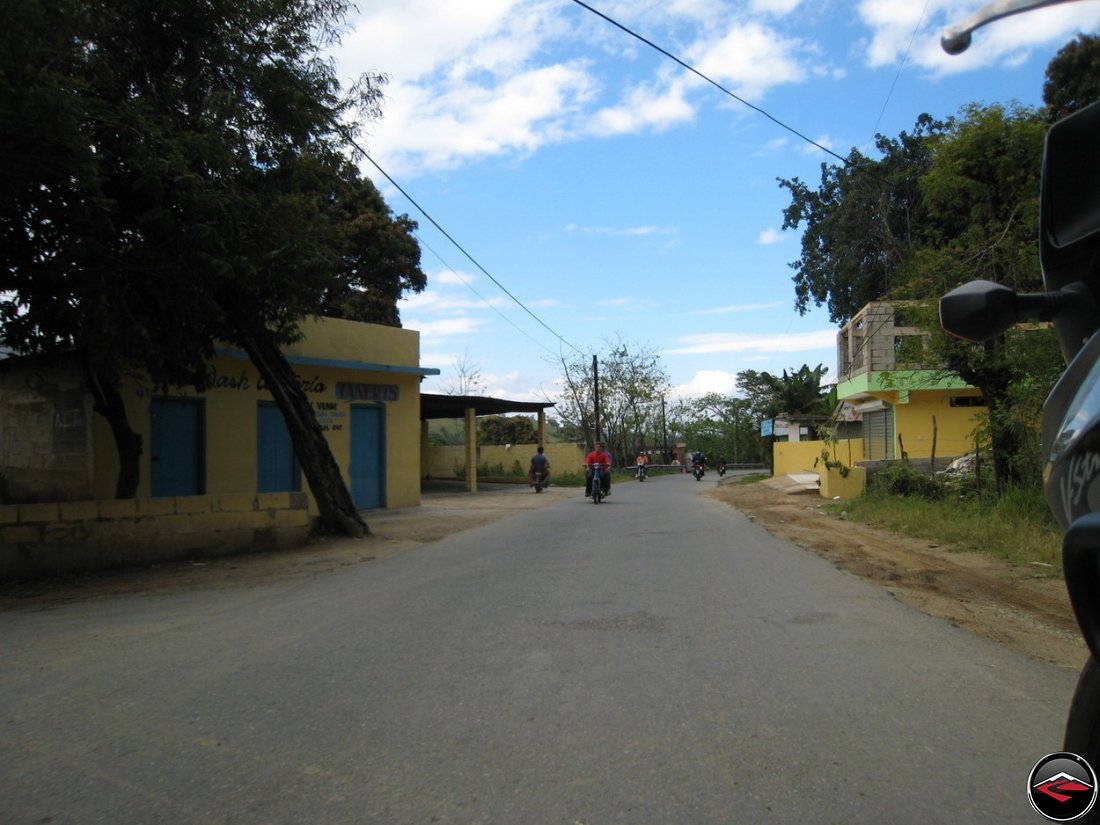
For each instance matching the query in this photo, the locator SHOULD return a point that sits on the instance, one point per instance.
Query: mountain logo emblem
(1062, 787)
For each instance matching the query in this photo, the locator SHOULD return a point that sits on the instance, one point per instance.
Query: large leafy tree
(176, 175)
(1073, 77)
(859, 223)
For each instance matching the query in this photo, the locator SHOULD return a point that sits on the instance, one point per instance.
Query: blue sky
(619, 197)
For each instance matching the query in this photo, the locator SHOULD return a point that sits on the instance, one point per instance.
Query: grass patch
(752, 478)
(1016, 527)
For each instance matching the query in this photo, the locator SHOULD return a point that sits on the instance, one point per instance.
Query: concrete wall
(805, 456)
(38, 540)
(442, 461)
(835, 484)
(45, 434)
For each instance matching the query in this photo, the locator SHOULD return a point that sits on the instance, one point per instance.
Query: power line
(457, 245)
(901, 65)
(710, 80)
(484, 300)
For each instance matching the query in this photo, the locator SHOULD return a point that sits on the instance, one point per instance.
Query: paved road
(656, 659)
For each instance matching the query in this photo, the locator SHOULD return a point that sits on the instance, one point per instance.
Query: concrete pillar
(423, 448)
(471, 450)
(542, 427)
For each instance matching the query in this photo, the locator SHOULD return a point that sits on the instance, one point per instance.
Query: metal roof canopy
(455, 406)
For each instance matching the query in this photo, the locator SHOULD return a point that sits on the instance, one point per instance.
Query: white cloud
(769, 236)
(714, 342)
(739, 308)
(444, 327)
(706, 381)
(657, 106)
(441, 303)
(635, 231)
(752, 58)
(777, 8)
(448, 276)
(483, 78)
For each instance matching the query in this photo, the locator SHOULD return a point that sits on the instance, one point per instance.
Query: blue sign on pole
(766, 426)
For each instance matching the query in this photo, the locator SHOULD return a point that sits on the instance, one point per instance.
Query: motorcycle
(643, 470)
(1069, 253)
(697, 470)
(596, 491)
(540, 482)
(721, 468)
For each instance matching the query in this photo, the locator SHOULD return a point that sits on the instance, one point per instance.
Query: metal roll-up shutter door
(878, 434)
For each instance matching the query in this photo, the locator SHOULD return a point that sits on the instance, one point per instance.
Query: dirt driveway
(1019, 607)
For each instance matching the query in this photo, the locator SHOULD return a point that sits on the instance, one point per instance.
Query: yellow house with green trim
(907, 409)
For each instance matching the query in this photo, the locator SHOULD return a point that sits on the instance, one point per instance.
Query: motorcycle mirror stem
(980, 310)
(956, 39)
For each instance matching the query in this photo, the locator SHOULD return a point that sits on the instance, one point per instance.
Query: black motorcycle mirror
(980, 310)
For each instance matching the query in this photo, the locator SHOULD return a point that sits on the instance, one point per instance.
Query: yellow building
(906, 409)
(363, 381)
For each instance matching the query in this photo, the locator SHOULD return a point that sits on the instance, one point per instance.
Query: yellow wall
(232, 400)
(954, 425)
(564, 458)
(835, 485)
(805, 456)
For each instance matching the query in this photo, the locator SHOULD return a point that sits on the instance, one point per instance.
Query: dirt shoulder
(1019, 607)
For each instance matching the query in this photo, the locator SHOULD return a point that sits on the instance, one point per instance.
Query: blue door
(178, 449)
(368, 456)
(276, 464)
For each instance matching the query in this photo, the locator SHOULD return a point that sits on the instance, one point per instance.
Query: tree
(859, 224)
(795, 392)
(982, 199)
(632, 384)
(506, 429)
(178, 178)
(467, 380)
(719, 425)
(1072, 77)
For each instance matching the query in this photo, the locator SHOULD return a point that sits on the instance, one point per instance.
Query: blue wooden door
(178, 449)
(368, 456)
(276, 464)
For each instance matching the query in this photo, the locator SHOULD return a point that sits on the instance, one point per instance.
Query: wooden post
(932, 461)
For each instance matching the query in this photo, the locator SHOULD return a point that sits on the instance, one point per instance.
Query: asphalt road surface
(655, 659)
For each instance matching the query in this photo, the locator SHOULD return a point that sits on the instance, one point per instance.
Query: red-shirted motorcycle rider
(598, 456)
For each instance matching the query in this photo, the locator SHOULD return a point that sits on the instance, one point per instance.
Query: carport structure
(469, 407)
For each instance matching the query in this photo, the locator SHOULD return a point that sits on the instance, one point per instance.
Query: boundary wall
(41, 540)
(442, 461)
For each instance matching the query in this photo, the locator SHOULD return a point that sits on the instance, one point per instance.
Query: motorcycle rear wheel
(1083, 725)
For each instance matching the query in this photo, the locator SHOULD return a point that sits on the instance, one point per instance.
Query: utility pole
(596, 396)
(664, 432)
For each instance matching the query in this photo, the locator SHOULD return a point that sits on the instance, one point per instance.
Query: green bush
(903, 479)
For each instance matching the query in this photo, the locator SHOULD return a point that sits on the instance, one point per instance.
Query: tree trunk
(337, 510)
(107, 401)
